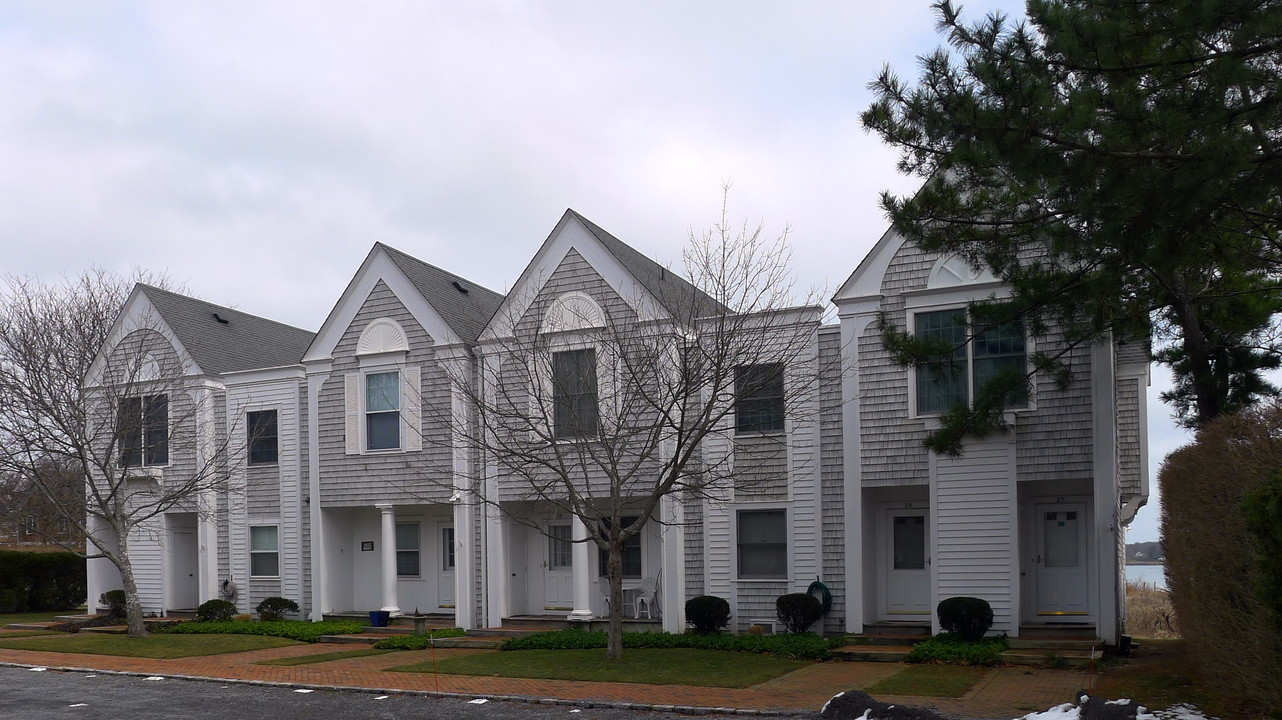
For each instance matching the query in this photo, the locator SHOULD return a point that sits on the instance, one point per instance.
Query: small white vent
(573, 311)
(381, 336)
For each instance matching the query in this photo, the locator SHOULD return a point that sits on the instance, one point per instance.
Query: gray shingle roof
(465, 312)
(682, 299)
(244, 342)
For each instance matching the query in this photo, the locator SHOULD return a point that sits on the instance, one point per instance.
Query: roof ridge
(438, 268)
(228, 308)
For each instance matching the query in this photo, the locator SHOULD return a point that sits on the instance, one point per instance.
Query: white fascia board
(138, 314)
(569, 234)
(856, 306)
(866, 279)
(955, 294)
(377, 266)
(245, 377)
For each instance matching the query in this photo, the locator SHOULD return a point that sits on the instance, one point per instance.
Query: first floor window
(560, 550)
(261, 430)
(407, 549)
(447, 549)
(631, 552)
(763, 544)
(264, 551)
(383, 411)
(142, 424)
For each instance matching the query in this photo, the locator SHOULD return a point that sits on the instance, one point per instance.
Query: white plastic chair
(646, 597)
(604, 583)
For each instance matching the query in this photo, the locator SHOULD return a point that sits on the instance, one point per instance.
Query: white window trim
(1030, 347)
(246, 410)
(377, 369)
(607, 382)
(786, 507)
(787, 421)
(418, 530)
(152, 470)
(249, 545)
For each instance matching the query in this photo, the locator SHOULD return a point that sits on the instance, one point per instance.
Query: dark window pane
(264, 564)
(407, 563)
(264, 551)
(560, 549)
(942, 388)
(129, 431)
(447, 548)
(574, 393)
(383, 431)
(382, 392)
(759, 398)
(910, 543)
(997, 350)
(631, 554)
(156, 430)
(261, 430)
(763, 544)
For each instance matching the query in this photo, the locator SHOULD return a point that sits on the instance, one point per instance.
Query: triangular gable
(378, 265)
(138, 313)
(572, 233)
(865, 281)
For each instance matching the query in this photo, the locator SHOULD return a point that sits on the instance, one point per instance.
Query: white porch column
(673, 579)
(582, 565)
(464, 600)
(389, 557)
(1108, 533)
(315, 526)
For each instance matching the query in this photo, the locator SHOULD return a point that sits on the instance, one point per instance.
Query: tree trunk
(614, 566)
(133, 606)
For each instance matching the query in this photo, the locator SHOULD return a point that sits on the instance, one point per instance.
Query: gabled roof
(681, 299)
(465, 312)
(244, 342)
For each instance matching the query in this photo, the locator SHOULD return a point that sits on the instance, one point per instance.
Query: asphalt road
(28, 695)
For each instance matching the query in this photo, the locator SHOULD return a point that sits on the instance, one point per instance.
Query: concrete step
(78, 619)
(362, 639)
(1053, 644)
(899, 628)
(1064, 658)
(107, 629)
(30, 626)
(506, 632)
(873, 653)
(1059, 631)
(908, 640)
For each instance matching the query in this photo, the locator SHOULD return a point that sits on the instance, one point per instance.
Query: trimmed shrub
(41, 581)
(806, 646)
(707, 613)
(213, 610)
(798, 611)
(1214, 561)
(115, 602)
(956, 650)
(300, 630)
(275, 608)
(1263, 510)
(968, 617)
(418, 642)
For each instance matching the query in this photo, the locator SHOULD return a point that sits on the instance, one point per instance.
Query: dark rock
(852, 704)
(1098, 708)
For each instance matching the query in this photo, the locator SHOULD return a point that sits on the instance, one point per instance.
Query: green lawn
(155, 646)
(7, 634)
(710, 668)
(30, 617)
(930, 680)
(324, 657)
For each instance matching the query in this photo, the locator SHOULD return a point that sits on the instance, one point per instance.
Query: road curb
(531, 700)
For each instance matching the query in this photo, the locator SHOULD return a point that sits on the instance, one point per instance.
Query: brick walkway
(1002, 693)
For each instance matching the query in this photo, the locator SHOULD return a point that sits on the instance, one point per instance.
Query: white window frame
(448, 550)
(542, 368)
(365, 372)
(789, 535)
(257, 409)
(252, 552)
(142, 468)
(418, 533)
(1029, 349)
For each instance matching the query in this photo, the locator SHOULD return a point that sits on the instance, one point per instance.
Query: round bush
(275, 608)
(707, 613)
(798, 611)
(215, 610)
(115, 602)
(968, 617)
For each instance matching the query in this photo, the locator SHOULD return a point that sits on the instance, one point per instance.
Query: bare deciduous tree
(111, 404)
(618, 413)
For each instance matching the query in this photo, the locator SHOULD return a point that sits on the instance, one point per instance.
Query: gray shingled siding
(694, 549)
(891, 452)
(1126, 353)
(263, 491)
(403, 477)
(832, 485)
(756, 604)
(760, 467)
(1129, 472)
(1054, 443)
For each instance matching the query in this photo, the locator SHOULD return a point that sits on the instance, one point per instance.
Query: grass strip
(930, 680)
(322, 657)
(300, 630)
(705, 668)
(153, 646)
(805, 646)
(418, 642)
(950, 648)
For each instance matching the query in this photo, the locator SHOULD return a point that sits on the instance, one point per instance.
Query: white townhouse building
(348, 494)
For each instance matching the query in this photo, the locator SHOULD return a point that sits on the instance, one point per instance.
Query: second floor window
(974, 364)
(261, 429)
(143, 427)
(759, 401)
(382, 411)
(574, 393)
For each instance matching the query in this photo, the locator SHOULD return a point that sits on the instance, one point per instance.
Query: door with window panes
(907, 563)
(1060, 561)
(445, 563)
(558, 568)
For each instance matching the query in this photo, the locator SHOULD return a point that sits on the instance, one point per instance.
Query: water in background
(1151, 574)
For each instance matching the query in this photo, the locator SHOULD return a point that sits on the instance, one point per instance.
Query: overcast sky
(255, 151)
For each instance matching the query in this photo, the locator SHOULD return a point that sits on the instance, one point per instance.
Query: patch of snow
(38, 669)
(1121, 701)
(91, 676)
(154, 677)
(824, 709)
(79, 705)
(1067, 711)
(478, 701)
(1181, 711)
(867, 714)
(304, 690)
(575, 710)
(381, 697)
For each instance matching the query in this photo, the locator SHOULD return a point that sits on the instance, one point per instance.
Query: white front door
(907, 560)
(445, 565)
(558, 575)
(1061, 559)
(183, 562)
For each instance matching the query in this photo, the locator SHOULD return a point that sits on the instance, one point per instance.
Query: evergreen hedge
(31, 582)
(805, 646)
(302, 630)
